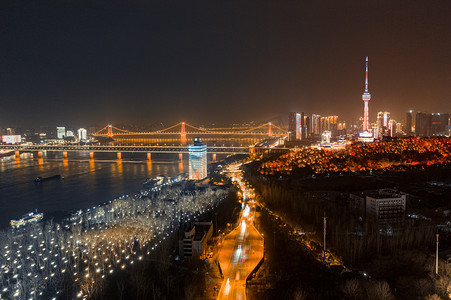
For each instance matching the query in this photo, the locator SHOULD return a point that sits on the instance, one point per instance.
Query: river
(87, 182)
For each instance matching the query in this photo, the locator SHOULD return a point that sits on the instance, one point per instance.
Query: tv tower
(366, 97)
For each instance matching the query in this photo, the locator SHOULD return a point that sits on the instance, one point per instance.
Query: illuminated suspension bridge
(180, 130)
(183, 129)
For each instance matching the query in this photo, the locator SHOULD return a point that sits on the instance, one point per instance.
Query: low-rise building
(194, 241)
(384, 205)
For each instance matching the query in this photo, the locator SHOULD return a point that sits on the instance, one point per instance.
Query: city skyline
(163, 62)
(221, 150)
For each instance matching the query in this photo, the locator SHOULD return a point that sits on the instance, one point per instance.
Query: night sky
(97, 62)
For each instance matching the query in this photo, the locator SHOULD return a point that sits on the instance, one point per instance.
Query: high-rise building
(394, 128)
(423, 122)
(431, 124)
(197, 160)
(383, 123)
(329, 123)
(366, 97)
(291, 126)
(408, 128)
(60, 132)
(308, 127)
(298, 126)
(439, 123)
(82, 134)
(303, 126)
(316, 125)
(333, 125)
(398, 128)
(69, 133)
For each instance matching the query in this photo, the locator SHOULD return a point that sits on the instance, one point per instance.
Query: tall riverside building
(82, 134)
(439, 123)
(291, 126)
(408, 129)
(197, 160)
(60, 132)
(423, 122)
(303, 127)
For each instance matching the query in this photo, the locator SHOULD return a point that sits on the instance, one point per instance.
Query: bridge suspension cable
(183, 131)
(109, 128)
(98, 132)
(281, 129)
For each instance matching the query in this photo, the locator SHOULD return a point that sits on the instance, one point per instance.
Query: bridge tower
(183, 133)
(110, 130)
(269, 129)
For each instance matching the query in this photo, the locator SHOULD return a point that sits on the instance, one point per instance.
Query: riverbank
(97, 242)
(87, 183)
(4, 153)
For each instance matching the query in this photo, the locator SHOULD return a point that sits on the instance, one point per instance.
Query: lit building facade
(329, 123)
(386, 206)
(302, 126)
(383, 206)
(12, 139)
(197, 160)
(316, 127)
(298, 126)
(292, 126)
(325, 137)
(423, 124)
(435, 124)
(60, 132)
(383, 124)
(439, 123)
(409, 124)
(82, 134)
(398, 127)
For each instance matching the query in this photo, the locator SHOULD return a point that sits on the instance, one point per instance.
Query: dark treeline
(355, 240)
(402, 264)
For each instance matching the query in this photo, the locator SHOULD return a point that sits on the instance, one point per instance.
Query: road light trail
(241, 252)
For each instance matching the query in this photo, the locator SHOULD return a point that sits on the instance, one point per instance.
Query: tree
(351, 289)
(379, 290)
(299, 294)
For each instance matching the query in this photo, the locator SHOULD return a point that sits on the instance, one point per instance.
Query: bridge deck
(143, 149)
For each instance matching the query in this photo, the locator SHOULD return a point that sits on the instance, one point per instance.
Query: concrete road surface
(241, 252)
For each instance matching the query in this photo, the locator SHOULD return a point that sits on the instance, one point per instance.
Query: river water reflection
(87, 182)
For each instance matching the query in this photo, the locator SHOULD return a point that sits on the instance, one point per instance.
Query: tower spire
(366, 76)
(366, 97)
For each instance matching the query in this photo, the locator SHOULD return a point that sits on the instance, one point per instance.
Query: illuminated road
(241, 252)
